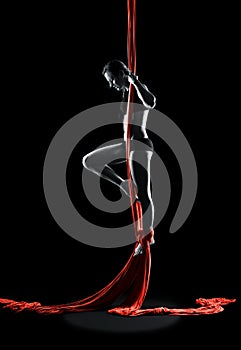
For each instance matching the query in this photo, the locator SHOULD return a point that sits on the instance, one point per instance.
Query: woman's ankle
(125, 187)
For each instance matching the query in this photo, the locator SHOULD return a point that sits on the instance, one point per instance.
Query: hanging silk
(133, 279)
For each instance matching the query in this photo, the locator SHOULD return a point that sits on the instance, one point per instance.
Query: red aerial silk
(133, 279)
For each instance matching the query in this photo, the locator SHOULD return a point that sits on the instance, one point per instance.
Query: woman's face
(117, 82)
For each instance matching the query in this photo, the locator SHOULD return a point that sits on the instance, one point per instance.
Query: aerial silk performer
(133, 280)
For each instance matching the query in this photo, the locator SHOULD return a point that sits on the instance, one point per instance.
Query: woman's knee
(145, 199)
(87, 162)
(92, 163)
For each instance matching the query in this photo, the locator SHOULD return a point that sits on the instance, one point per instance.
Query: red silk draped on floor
(133, 279)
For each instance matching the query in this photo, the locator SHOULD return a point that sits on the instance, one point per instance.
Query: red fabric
(133, 279)
(134, 275)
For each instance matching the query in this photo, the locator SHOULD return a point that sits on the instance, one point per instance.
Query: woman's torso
(137, 120)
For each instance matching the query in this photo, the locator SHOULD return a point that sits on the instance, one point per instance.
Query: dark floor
(78, 328)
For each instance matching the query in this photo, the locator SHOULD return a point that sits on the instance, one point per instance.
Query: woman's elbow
(151, 103)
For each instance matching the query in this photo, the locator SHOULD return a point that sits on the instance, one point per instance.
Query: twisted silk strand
(134, 277)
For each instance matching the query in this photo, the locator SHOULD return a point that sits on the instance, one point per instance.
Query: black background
(53, 58)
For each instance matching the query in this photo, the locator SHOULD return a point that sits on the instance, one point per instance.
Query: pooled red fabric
(133, 279)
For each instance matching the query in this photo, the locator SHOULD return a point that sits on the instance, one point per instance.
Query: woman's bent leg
(98, 162)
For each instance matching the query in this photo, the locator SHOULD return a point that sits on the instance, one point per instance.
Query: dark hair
(114, 67)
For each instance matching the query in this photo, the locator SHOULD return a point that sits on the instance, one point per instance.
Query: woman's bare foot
(138, 249)
(126, 189)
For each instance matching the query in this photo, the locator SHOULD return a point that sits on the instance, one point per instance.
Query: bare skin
(140, 158)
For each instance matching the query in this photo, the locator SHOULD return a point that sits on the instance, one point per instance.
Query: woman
(99, 161)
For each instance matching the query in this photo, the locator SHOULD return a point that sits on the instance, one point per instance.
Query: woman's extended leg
(140, 167)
